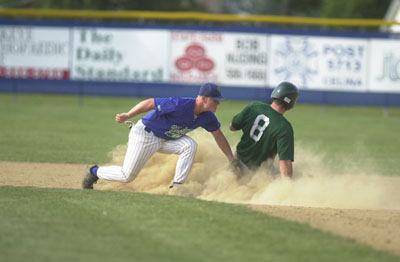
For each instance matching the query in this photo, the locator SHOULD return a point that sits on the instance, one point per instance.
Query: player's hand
(235, 167)
(120, 118)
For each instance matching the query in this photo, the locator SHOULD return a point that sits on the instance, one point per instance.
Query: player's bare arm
(286, 168)
(223, 144)
(142, 107)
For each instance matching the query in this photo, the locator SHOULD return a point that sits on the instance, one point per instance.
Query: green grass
(73, 225)
(362, 134)
(49, 128)
(54, 128)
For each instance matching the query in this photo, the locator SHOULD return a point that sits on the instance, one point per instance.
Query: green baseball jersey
(265, 133)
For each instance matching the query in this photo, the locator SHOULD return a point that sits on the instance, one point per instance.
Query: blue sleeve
(165, 105)
(211, 124)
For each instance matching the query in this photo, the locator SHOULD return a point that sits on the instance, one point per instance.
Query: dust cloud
(314, 185)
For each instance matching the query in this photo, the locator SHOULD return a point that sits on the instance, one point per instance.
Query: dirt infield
(379, 228)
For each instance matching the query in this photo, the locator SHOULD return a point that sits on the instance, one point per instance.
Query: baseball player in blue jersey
(164, 130)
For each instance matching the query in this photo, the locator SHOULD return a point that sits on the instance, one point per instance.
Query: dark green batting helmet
(287, 93)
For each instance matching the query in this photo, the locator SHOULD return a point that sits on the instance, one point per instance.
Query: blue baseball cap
(210, 90)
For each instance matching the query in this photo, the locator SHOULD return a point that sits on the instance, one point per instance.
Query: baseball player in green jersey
(266, 132)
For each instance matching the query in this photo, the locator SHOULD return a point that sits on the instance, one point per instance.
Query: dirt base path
(377, 228)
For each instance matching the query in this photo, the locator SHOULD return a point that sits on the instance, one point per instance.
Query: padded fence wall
(146, 60)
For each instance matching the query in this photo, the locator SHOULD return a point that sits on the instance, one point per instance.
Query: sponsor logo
(195, 58)
(295, 58)
(177, 131)
(390, 68)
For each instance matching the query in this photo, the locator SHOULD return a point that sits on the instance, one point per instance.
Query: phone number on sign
(250, 74)
(33, 73)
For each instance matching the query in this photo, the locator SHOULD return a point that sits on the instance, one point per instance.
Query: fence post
(385, 105)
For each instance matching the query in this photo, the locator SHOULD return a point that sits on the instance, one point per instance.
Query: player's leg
(141, 146)
(186, 148)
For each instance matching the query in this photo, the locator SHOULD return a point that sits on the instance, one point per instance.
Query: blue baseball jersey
(173, 117)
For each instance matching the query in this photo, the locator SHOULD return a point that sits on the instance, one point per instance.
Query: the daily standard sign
(105, 54)
(34, 52)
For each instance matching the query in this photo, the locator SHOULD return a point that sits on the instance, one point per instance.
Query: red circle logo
(195, 51)
(184, 63)
(204, 64)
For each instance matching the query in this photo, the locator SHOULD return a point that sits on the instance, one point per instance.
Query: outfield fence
(147, 59)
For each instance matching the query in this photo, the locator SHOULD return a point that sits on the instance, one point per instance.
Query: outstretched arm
(142, 107)
(223, 144)
(286, 168)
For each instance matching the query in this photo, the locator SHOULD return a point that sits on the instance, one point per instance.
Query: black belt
(147, 129)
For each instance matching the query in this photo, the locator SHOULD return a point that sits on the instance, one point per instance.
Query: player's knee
(192, 146)
(128, 177)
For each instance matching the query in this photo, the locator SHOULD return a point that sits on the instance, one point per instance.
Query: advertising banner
(224, 58)
(196, 57)
(329, 63)
(34, 52)
(253, 60)
(384, 65)
(104, 54)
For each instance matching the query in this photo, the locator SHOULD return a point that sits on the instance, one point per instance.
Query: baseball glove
(129, 123)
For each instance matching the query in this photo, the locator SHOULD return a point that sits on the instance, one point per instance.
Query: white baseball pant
(141, 146)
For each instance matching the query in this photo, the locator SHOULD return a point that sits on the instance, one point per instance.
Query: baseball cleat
(89, 179)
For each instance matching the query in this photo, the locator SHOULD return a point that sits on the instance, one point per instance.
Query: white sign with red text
(224, 58)
(196, 56)
(34, 52)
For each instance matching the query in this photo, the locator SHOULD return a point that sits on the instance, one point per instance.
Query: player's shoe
(89, 179)
(178, 189)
